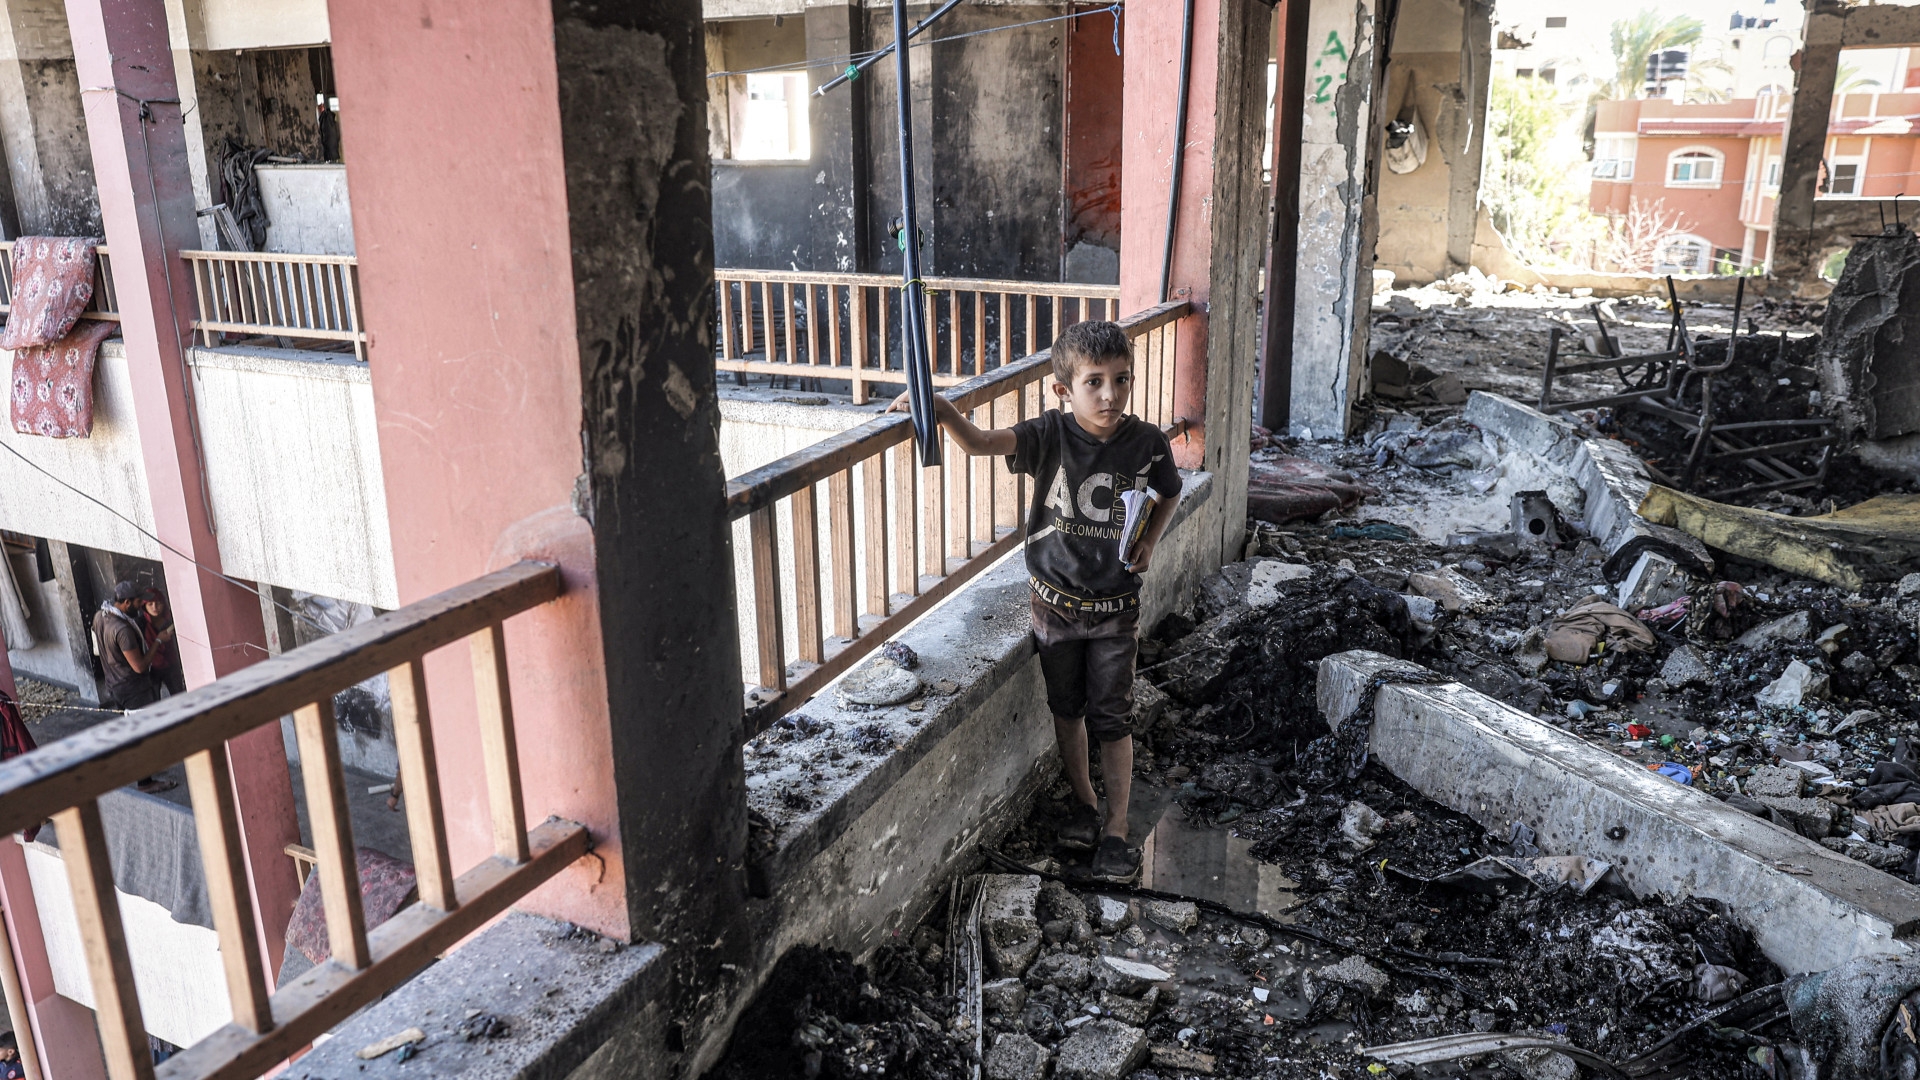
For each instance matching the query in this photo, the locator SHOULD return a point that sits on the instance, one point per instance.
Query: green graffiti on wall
(1325, 85)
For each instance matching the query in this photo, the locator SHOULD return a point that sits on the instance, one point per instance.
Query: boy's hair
(1088, 343)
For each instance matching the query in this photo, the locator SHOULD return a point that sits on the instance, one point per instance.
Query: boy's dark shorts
(1088, 664)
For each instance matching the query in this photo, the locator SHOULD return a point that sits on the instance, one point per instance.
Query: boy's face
(1099, 392)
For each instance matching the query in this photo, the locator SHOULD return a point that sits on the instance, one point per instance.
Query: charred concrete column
(41, 127)
(134, 125)
(1222, 214)
(839, 131)
(539, 290)
(1795, 243)
(1334, 278)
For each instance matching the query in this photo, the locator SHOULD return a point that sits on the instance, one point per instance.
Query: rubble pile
(822, 1015)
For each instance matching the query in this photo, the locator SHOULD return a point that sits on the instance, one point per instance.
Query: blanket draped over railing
(53, 348)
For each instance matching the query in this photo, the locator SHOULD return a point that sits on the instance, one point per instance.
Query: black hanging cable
(853, 70)
(913, 332)
(1179, 149)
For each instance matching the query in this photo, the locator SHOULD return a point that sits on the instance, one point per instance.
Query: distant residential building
(1717, 167)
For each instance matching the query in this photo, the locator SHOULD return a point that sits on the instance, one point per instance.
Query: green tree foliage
(1636, 38)
(1533, 185)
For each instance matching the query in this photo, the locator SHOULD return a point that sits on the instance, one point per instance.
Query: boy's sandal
(1081, 830)
(1115, 863)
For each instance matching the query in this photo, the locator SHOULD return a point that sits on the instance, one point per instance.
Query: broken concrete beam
(1610, 477)
(1525, 427)
(1102, 1050)
(1008, 923)
(1653, 581)
(1808, 908)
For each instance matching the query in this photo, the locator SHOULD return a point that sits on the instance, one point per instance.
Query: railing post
(806, 574)
(339, 870)
(224, 863)
(498, 748)
(420, 785)
(764, 535)
(83, 848)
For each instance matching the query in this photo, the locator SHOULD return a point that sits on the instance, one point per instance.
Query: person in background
(10, 1067)
(126, 655)
(156, 622)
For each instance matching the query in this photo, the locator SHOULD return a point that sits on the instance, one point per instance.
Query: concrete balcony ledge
(1808, 908)
(861, 842)
(560, 991)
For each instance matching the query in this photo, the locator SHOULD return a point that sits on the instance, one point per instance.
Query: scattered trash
(1594, 622)
(389, 1044)
(880, 681)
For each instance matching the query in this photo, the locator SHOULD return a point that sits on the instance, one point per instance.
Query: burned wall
(1869, 362)
(49, 164)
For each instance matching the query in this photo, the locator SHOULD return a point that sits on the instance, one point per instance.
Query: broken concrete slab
(1610, 477)
(1129, 978)
(1009, 927)
(1102, 1050)
(1653, 581)
(1684, 667)
(1113, 914)
(1179, 916)
(1068, 971)
(1014, 1056)
(1003, 997)
(1794, 627)
(1811, 818)
(1808, 908)
(1263, 586)
(1775, 782)
(1355, 971)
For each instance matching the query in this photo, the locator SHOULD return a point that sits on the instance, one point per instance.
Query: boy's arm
(972, 441)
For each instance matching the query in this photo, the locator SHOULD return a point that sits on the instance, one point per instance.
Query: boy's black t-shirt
(1073, 527)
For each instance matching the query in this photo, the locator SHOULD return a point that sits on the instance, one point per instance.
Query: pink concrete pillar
(125, 62)
(1152, 36)
(467, 287)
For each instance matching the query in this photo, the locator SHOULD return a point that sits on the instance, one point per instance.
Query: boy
(1086, 602)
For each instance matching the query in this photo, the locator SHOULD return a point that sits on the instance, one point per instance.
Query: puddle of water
(1210, 863)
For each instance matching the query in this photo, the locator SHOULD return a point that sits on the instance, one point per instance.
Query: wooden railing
(105, 306)
(315, 297)
(63, 780)
(897, 538)
(847, 326)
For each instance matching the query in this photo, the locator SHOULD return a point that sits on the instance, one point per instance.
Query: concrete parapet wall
(1808, 908)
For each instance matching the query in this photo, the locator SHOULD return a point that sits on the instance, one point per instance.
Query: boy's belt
(1080, 605)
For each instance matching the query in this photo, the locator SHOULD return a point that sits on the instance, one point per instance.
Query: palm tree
(1637, 38)
(1847, 79)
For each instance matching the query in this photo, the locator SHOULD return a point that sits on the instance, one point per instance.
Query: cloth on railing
(53, 384)
(155, 851)
(53, 351)
(386, 886)
(52, 285)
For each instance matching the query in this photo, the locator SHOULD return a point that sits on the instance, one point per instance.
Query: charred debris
(1388, 935)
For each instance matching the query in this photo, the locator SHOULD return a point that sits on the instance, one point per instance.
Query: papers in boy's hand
(1139, 503)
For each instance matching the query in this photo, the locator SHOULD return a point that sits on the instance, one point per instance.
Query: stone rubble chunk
(1129, 977)
(1540, 1063)
(1795, 685)
(879, 681)
(1179, 916)
(1004, 997)
(1910, 585)
(1684, 667)
(1811, 818)
(1149, 706)
(1775, 782)
(1105, 1049)
(1359, 824)
(1008, 924)
(1880, 856)
(1834, 638)
(1114, 915)
(1181, 1059)
(1355, 971)
(1133, 1011)
(1263, 586)
(1859, 665)
(1015, 1056)
(1653, 581)
(1068, 971)
(1794, 627)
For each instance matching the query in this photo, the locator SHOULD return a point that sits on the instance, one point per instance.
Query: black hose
(915, 356)
(1179, 148)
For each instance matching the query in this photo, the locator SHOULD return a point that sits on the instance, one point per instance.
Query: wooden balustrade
(313, 297)
(105, 305)
(897, 539)
(64, 779)
(847, 326)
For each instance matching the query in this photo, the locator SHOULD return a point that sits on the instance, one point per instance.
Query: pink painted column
(125, 63)
(62, 1029)
(467, 285)
(1152, 32)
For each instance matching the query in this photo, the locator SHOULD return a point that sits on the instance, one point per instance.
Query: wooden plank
(1006, 331)
(786, 314)
(1032, 341)
(498, 747)
(836, 353)
(351, 275)
(116, 1007)
(813, 328)
(763, 531)
(885, 328)
(980, 530)
(328, 994)
(766, 318)
(873, 476)
(127, 748)
(846, 616)
(726, 319)
(857, 317)
(420, 784)
(806, 574)
(760, 715)
(339, 872)
(906, 532)
(933, 515)
(223, 858)
(1007, 511)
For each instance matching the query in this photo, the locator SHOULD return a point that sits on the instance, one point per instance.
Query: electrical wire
(236, 582)
(856, 57)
